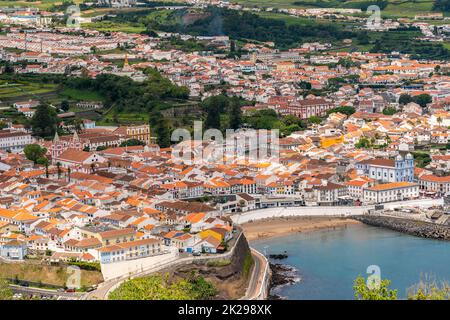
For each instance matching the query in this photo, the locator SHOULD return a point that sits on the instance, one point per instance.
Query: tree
(163, 134)
(65, 105)
(232, 46)
(235, 114)
(304, 85)
(315, 120)
(422, 159)
(42, 161)
(214, 106)
(441, 5)
(46, 170)
(363, 143)
(347, 110)
(44, 121)
(405, 99)
(380, 291)
(132, 142)
(160, 128)
(58, 167)
(5, 291)
(389, 111)
(429, 289)
(35, 153)
(423, 99)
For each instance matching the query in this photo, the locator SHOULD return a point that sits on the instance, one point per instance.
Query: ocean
(328, 261)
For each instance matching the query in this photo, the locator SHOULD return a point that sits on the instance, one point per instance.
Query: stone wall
(413, 227)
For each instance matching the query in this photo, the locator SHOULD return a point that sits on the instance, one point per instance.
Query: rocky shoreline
(282, 275)
(413, 227)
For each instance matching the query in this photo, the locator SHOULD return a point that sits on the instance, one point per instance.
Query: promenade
(334, 211)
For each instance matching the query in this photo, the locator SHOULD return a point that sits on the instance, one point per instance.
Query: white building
(435, 184)
(394, 191)
(14, 141)
(388, 170)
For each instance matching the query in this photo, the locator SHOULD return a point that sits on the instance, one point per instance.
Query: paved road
(256, 279)
(326, 211)
(45, 292)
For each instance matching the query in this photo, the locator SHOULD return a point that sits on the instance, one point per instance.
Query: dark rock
(279, 256)
(413, 227)
(281, 275)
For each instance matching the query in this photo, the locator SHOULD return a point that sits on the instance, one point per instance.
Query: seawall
(409, 226)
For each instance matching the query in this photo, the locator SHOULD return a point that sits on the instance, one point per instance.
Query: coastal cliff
(230, 276)
(409, 226)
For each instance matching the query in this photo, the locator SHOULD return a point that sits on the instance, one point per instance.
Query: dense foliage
(239, 25)
(158, 287)
(91, 266)
(245, 25)
(441, 5)
(421, 99)
(389, 111)
(405, 42)
(422, 159)
(36, 153)
(424, 290)
(44, 121)
(132, 142)
(345, 110)
(5, 291)
(373, 292)
(125, 94)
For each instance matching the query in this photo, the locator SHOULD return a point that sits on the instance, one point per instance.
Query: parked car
(196, 253)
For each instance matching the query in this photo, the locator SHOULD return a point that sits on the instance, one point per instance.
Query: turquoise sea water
(329, 261)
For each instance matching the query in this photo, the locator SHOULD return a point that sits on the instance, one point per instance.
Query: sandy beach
(281, 226)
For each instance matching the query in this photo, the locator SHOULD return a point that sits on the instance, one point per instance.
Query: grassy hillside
(400, 8)
(46, 274)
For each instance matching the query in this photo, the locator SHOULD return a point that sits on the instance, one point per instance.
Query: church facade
(60, 145)
(388, 170)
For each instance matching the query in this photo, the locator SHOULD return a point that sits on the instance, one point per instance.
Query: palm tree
(439, 120)
(68, 173)
(46, 169)
(58, 165)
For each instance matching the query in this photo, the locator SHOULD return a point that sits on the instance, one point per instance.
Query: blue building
(13, 250)
(388, 170)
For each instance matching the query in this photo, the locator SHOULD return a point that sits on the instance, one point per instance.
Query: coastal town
(362, 133)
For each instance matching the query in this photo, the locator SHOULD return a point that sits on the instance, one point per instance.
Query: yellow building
(217, 233)
(108, 237)
(327, 141)
(138, 132)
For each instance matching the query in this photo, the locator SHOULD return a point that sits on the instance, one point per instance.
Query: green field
(124, 118)
(109, 26)
(85, 95)
(18, 89)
